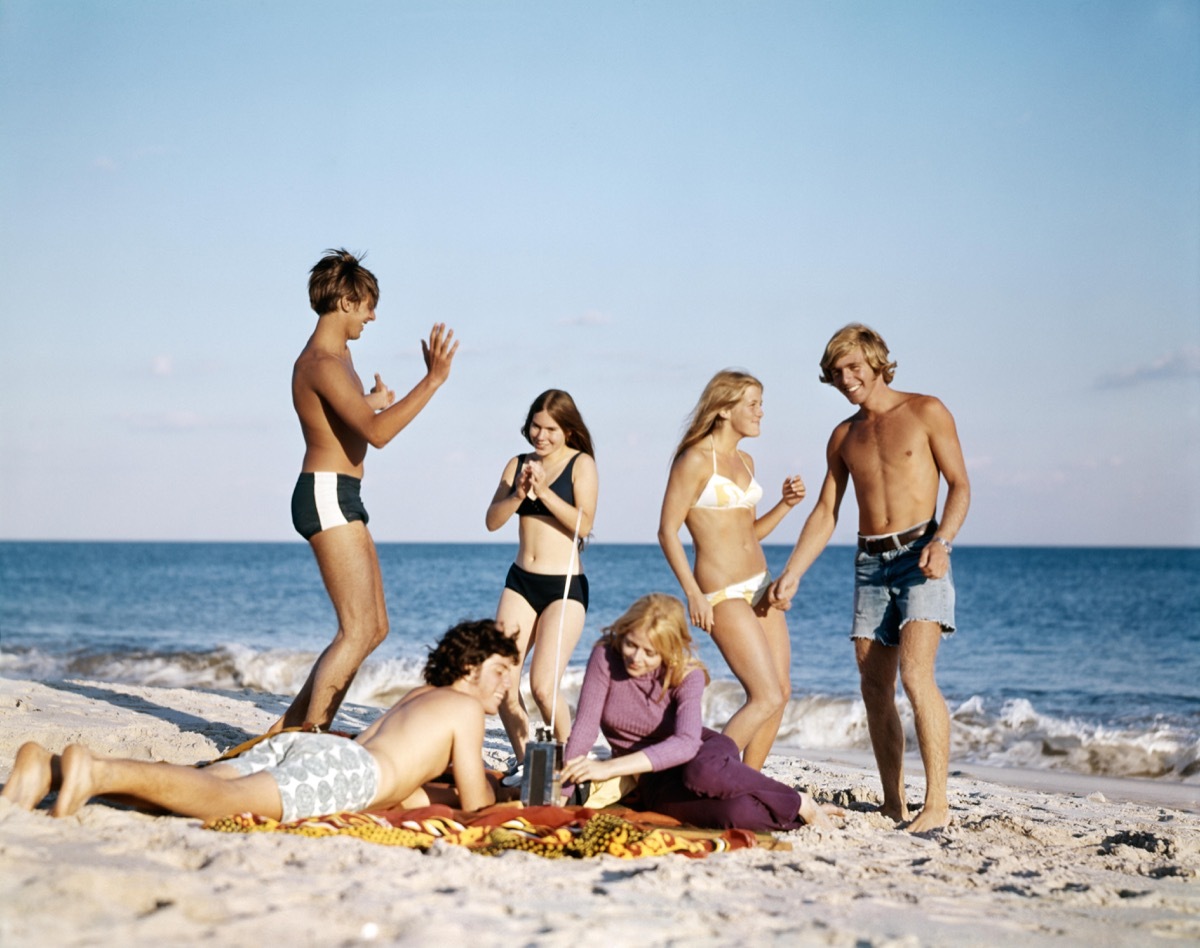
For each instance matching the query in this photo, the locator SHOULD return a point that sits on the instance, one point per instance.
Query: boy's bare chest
(891, 440)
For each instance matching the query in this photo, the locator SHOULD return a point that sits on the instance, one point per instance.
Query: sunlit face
(357, 317)
(489, 682)
(853, 377)
(746, 416)
(638, 653)
(545, 434)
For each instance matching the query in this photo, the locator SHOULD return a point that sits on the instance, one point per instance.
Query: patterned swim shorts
(317, 774)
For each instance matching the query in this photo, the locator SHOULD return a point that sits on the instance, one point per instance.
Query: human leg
(349, 566)
(516, 618)
(185, 790)
(918, 654)
(877, 665)
(753, 650)
(550, 659)
(715, 789)
(779, 644)
(34, 772)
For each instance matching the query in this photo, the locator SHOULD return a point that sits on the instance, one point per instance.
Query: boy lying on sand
(295, 775)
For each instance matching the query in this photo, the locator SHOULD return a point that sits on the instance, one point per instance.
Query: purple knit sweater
(632, 716)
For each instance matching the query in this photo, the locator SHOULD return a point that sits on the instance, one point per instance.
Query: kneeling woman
(643, 688)
(551, 490)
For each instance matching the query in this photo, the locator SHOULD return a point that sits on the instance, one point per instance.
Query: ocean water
(1084, 660)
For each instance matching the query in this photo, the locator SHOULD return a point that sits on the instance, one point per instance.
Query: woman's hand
(793, 490)
(586, 768)
(533, 478)
(700, 611)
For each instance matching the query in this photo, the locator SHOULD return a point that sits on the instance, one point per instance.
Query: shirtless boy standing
(339, 419)
(296, 775)
(895, 448)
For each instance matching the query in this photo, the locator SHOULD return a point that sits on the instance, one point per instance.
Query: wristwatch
(944, 542)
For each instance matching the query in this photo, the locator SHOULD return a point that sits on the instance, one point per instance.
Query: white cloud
(1183, 364)
(162, 365)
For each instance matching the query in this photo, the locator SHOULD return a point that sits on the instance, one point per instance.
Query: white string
(562, 615)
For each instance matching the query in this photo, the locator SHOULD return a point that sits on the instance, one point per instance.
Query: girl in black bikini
(549, 490)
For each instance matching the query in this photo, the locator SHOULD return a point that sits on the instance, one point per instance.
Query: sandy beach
(1029, 859)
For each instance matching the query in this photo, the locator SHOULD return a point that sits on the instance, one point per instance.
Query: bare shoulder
(431, 710)
(928, 409)
(448, 700)
(841, 430)
(584, 462)
(691, 460)
(314, 362)
(511, 467)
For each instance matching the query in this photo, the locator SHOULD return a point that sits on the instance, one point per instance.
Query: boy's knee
(875, 691)
(920, 687)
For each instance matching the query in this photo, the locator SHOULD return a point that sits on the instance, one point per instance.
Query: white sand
(1029, 859)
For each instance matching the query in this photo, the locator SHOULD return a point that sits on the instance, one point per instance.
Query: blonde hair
(854, 335)
(723, 391)
(663, 620)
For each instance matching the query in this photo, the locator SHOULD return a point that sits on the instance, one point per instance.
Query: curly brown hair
(465, 646)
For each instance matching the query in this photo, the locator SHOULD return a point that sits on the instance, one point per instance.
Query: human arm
(681, 744)
(341, 392)
(793, 492)
(683, 487)
(511, 490)
(676, 748)
(588, 768)
(593, 693)
(947, 455)
(466, 761)
(818, 528)
(585, 728)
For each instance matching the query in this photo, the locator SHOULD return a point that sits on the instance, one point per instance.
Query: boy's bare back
(426, 733)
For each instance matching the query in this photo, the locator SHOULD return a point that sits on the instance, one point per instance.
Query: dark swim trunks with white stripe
(324, 499)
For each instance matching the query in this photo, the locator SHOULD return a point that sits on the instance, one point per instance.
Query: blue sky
(618, 199)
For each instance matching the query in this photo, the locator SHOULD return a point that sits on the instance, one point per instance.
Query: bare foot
(31, 776)
(818, 814)
(78, 780)
(897, 813)
(930, 818)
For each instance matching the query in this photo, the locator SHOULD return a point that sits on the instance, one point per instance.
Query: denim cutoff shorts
(890, 590)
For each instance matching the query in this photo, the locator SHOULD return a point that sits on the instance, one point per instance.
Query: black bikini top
(563, 486)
